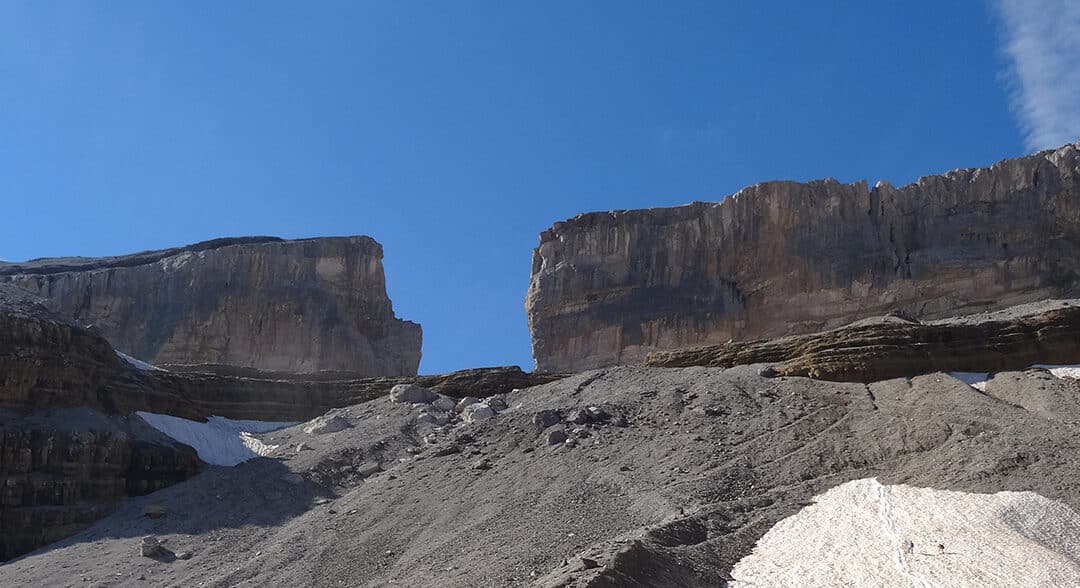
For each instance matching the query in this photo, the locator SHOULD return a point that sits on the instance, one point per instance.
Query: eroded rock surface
(891, 347)
(784, 258)
(262, 302)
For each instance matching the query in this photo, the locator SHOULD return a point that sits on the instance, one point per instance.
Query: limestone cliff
(783, 258)
(300, 306)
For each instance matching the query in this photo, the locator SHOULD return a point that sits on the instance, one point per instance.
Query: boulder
(546, 418)
(466, 401)
(411, 393)
(475, 413)
(149, 546)
(556, 436)
(444, 403)
(326, 424)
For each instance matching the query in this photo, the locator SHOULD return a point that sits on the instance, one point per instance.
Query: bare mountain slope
(705, 463)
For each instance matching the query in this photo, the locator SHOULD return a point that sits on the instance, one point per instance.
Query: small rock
(435, 419)
(588, 564)
(369, 469)
(183, 555)
(475, 413)
(620, 421)
(464, 402)
(149, 546)
(497, 403)
(303, 447)
(768, 372)
(448, 450)
(579, 417)
(411, 393)
(597, 414)
(154, 511)
(444, 403)
(482, 464)
(326, 424)
(546, 418)
(556, 436)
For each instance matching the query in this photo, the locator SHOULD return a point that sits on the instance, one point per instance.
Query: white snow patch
(1070, 372)
(858, 534)
(219, 441)
(978, 380)
(139, 365)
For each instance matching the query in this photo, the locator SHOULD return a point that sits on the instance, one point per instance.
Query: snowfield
(219, 441)
(863, 533)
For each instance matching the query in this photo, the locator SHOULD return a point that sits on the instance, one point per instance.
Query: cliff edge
(783, 258)
(279, 305)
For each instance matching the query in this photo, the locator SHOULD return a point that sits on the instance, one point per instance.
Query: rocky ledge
(783, 258)
(300, 306)
(898, 346)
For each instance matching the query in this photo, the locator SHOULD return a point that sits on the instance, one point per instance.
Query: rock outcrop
(783, 258)
(262, 302)
(60, 471)
(70, 444)
(892, 347)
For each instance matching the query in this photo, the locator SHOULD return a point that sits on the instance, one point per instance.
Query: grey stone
(411, 393)
(444, 403)
(326, 424)
(556, 436)
(149, 546)
(466, 402)
(546, 418)
(475, 413)
(497, 403)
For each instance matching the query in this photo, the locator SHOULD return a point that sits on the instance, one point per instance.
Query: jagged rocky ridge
(898, 347)
(298, 306)
(784, 258)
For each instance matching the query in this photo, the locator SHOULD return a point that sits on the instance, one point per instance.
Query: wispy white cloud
(1042, 44)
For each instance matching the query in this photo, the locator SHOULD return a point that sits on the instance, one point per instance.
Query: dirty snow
(139, 364)
(978, 380)
(858, 534)
(219, 441)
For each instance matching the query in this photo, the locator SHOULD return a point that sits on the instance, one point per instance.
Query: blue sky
(454, 132)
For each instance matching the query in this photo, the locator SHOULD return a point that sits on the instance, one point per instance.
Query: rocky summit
(298, 306)
(783, 258)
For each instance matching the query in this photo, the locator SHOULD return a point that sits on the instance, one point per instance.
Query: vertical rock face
(784, 257)
(299, 306)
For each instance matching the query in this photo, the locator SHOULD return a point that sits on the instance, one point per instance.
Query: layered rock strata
(61, 469)
(262, 302)
(70, 445)
(783, 258)
(894, 347)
